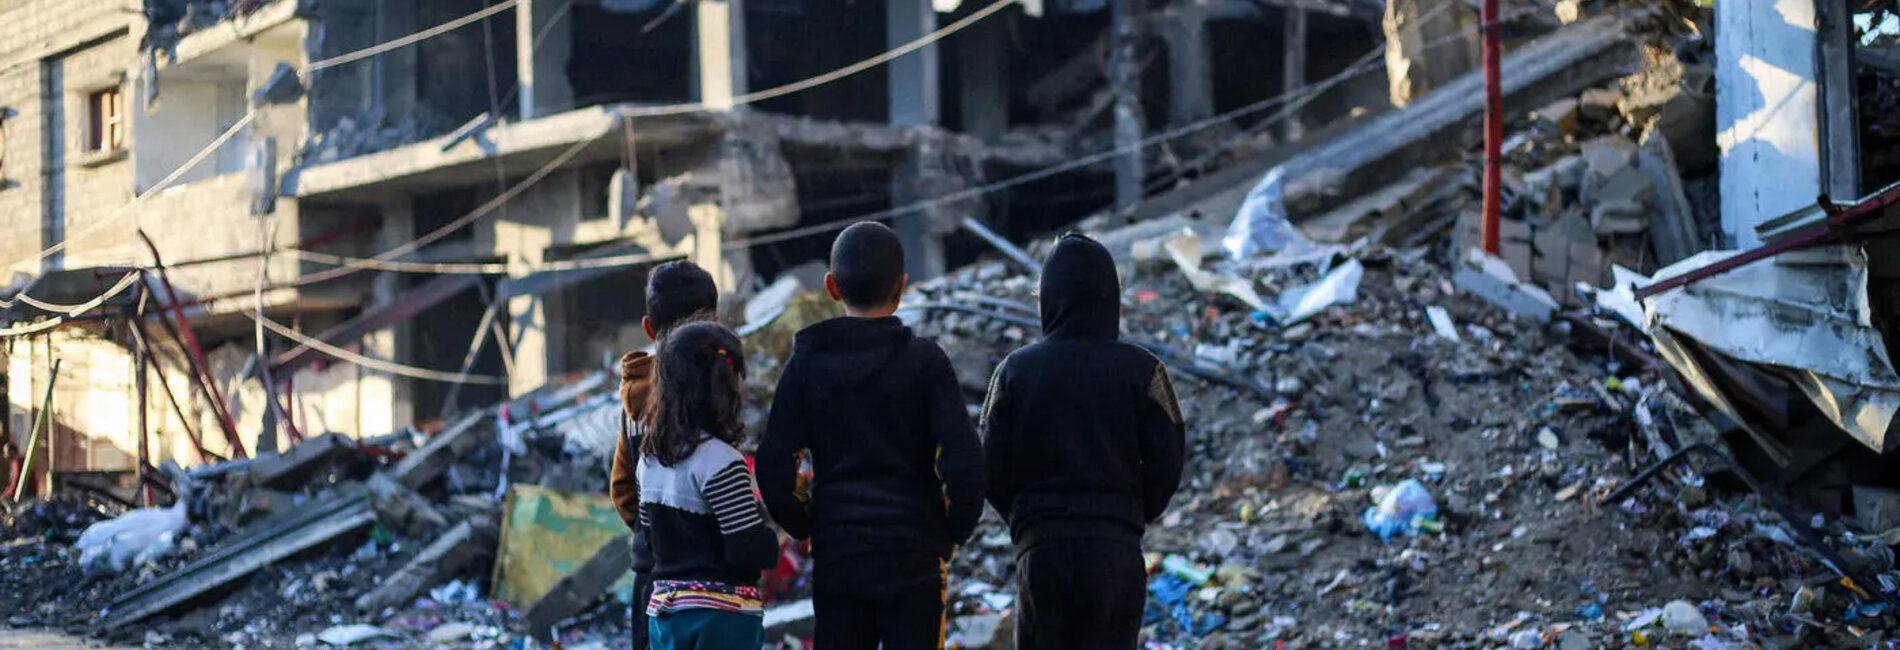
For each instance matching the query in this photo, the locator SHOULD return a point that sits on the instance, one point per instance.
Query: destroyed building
(336, 286)
(404, 173)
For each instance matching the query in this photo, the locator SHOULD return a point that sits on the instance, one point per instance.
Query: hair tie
(727, 356)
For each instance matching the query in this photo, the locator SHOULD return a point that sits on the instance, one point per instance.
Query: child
(897, 470)
(699, 516)
(1084, 442)
(677, 292)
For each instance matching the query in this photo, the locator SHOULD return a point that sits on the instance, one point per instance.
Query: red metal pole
(195, 354)
(1493, 129)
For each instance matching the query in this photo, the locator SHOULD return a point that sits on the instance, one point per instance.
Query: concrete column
(1294, 72)
(914, 101)
(1190, 74)
(913, 77)
(1126, 78)
(1840, 122)
(1417, 56)
(719, 36)
(386, 402)
(544, 39)
(922, 239)
(530, 327)
(1766, 113)
(984, 72)
(392, 79)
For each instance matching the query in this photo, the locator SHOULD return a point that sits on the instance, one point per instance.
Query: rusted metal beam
(201, 369)
(1840, 226)
(144, 340)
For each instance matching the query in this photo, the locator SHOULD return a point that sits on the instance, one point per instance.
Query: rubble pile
(1483, 445)
(1615, 175)
(388, 542)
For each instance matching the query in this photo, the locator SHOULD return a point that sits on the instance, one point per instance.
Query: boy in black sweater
(1083, 439)
(897, 468)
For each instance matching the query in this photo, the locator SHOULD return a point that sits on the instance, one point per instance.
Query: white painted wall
(189, 115)
(1767, 112)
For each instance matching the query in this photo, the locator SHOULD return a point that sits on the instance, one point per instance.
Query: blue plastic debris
(1169, 589)
(1590, 611)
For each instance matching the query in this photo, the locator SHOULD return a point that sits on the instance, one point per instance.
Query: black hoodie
(897, 468)
(1081, 432)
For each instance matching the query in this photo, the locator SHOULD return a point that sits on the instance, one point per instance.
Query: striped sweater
(703, 527)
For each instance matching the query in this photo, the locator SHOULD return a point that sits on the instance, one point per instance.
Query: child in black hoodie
(1083, 439)
(897, 468)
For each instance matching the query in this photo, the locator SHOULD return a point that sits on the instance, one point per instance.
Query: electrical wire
(349, 265)
(390, 367)
(651, 111)
(127, 208)
(411, 39)
(828, 77)
(1364, 65)
(124, 283)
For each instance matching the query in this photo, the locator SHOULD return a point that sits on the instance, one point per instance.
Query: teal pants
(706, 629)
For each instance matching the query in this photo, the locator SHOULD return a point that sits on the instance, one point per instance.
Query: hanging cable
(127, 208)
(1364, 65)
(390, 367)
(124, 283)
(828, 77)
(411, 39)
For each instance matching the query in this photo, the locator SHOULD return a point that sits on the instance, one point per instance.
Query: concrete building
(465, 186)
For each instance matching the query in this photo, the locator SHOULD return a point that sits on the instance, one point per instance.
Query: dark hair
(679, 291)
(867, 261)
(697, 392)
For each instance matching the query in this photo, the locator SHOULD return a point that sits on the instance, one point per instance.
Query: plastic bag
(1261, 226)
(132, 539)
(1406, 508)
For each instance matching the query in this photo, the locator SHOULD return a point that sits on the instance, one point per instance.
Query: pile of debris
(1410, 466)
(445, 536)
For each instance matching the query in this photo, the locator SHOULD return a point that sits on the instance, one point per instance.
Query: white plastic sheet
(132, 539)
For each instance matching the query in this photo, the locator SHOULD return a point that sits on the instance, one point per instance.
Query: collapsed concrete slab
(434, 458)
(580, 588)
(1433, 127)
(448, 555)
(295, 467)
(347, 511)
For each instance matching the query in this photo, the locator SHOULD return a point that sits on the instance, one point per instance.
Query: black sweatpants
(642, 592)
(908, 619)
(1081, 593)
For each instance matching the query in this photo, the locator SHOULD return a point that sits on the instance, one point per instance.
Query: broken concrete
(347, 511)
(464, 435)
(294, 468)
(441, 560)
(1558, 65)
(581, 588)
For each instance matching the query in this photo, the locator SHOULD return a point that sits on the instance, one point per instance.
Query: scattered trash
(347, 635)
(1261, 226)
(1339, 286)
(134, 539)
(1682, 617)
(1441, 322)
(1406, 508)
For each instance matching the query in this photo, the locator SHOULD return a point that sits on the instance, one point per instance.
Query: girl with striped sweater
(700, 516)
